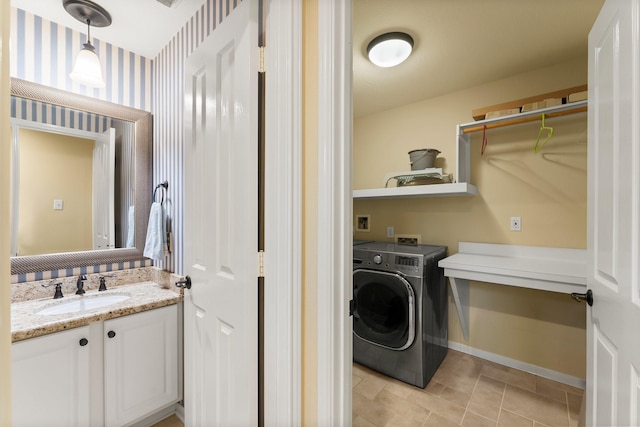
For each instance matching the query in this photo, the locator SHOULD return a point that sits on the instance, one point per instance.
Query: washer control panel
(405, 263)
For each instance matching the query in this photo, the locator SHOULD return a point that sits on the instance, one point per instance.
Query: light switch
(57, 204)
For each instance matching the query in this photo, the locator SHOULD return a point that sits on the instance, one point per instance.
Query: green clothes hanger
(543, 128)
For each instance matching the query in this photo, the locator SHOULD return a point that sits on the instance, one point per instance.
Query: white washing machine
(400, 310)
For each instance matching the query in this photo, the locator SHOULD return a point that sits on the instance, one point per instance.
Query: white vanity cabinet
(140, 364)
(111, 373)
(51, 379)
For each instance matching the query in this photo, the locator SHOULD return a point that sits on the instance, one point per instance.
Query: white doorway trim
(283, 214)
(334, 213)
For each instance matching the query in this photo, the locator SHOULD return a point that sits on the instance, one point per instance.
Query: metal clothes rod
(527, 119)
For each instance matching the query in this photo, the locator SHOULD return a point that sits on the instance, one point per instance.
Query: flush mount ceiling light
(87, 69)
(390, 49)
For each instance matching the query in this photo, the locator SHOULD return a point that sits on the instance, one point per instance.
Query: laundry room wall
(548, 190)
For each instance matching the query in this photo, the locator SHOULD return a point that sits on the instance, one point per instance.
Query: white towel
(154, 244)
(131, 228)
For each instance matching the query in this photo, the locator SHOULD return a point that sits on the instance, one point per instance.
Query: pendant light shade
(390, 49)
(87, 69)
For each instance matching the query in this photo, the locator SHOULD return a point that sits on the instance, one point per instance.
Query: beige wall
(310, 204)
(5, 318)
(547, 189)
(66, 174)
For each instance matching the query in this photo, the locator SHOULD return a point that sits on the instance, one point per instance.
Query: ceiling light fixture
(390, 49)
(87, 69)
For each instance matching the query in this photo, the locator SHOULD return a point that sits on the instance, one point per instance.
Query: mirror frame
(143, 176)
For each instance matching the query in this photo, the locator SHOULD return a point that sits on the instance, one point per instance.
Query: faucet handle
(58, 285)
(103, 282)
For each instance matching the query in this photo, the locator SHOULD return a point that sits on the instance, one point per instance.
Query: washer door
(384, 312)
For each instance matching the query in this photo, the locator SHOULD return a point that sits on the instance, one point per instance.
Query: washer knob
(377, 259)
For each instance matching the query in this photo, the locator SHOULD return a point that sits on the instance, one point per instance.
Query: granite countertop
(25, 323)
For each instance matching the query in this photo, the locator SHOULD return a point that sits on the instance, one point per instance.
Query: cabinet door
(140, 364)
(50, 380)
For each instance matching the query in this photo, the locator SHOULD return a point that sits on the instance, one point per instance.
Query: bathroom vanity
(110, 366)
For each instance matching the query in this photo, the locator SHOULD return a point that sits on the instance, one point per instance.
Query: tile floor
(465, 391)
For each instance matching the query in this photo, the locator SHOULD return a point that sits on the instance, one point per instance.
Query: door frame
(334, 227)
(284, 216)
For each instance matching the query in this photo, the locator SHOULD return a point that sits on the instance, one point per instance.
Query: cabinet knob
(111, 334)
(83, 342)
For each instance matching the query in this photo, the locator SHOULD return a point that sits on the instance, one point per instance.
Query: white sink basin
(82, 304)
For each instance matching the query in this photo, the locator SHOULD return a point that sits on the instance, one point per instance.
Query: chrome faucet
(80, 284)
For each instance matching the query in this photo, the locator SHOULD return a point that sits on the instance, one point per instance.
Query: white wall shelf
(547, 269)
(463, 186)
(453, 189)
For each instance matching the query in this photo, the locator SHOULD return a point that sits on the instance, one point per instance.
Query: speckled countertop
(25, 323)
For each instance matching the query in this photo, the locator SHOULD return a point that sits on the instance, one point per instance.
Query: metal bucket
(423, 158)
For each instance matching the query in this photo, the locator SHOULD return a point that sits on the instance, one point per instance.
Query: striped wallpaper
(40, 112)
(43, 52)
(168, 133)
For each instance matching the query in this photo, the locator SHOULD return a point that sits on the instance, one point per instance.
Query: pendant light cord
(89, 31)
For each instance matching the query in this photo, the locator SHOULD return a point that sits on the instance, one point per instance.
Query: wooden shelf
(527, 116)
(454, 189)
(547, 269)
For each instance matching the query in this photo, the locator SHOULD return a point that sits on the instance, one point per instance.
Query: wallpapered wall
(43, 52)
(168, 105)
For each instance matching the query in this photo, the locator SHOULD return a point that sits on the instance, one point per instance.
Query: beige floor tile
(370, 386)
(401, 421)
(355, 380)
(543, 388)
(438, 405)
(402, 407)
(371, 410)
(511, 376)
(474, 420)
(561, 386)
(509, 419)
(486, 402)
(538, 408)
(399, 388)
(490, 384)
(361, 422)
(455, 396)
(434, 387)
(455, 380)
(436, 420)
(575, 404)
(172, 421)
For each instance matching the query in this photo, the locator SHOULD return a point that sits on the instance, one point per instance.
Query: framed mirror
(135, 165)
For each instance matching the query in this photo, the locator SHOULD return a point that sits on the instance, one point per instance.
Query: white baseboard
(180, 411)
(522, 366)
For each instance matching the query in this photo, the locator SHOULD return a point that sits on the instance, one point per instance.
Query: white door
(613, 343)
(221, 224)
(104, 161)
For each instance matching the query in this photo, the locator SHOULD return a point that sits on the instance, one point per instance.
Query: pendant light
(390, 49)
(87, 69)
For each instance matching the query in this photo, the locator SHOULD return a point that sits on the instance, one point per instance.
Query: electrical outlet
(516, 223)
(363, 223)
(390, 232)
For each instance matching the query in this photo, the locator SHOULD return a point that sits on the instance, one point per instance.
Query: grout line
(466, 408)
(504, 393)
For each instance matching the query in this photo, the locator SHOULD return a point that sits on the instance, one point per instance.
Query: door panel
(221, 217)
(613, 350)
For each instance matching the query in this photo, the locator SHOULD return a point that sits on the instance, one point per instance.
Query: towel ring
(165, 187)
